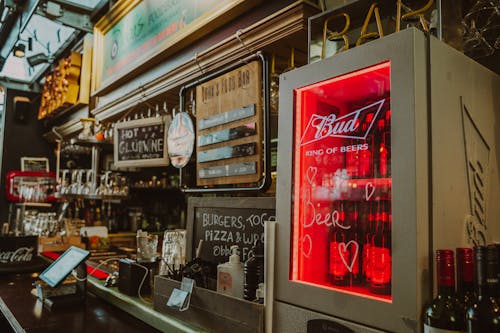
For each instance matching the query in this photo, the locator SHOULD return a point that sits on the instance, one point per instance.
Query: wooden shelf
(91, 197)
(34, 204)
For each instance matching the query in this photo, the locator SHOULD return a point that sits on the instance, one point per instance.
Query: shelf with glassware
(89, 183)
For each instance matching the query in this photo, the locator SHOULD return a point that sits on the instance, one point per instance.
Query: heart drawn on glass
(306, 246)
(311, 174)
(343, 251)
(369, 190)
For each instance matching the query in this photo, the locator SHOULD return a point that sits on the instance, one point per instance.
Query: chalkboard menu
(141, 142)
(223, 222)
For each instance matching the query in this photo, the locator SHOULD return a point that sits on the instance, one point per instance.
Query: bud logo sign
(347, 126)
(477, 155)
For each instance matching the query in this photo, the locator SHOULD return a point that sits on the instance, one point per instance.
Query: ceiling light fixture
(20, 50)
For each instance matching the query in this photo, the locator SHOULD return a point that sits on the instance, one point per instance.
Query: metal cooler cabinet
(387, 152)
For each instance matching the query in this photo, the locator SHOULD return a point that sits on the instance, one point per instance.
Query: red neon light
(341, 233)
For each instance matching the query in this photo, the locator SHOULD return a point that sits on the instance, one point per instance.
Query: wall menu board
(137, 32)
(141, 142)
(229, 127)
(226, 221)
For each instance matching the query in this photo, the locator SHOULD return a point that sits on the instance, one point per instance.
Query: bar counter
(105, 310)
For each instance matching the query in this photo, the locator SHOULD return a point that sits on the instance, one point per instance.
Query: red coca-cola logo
(347, 126)
(22, 254)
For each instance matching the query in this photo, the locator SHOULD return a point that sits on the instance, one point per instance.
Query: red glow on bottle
(369, 118)
(366, 257)
(381, 259)
(339, 274)
(388, 116)
(382, 160)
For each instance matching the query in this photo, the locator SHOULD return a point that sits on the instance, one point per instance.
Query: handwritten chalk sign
(141, 142)
(223, 222)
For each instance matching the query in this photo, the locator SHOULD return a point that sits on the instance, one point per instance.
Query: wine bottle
(352, 160)
(445, 313)
(253, 271)
(339, 274)
(354, 235)
(369, 229)
(365, 155)
(484, 315)
(465, 276)
(381, 261)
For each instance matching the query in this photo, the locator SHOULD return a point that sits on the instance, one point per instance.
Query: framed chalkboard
(222, 222)
(141, 142)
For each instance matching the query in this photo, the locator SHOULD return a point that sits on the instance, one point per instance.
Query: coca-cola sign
(20, 255)
(18, 252)
(347, 126)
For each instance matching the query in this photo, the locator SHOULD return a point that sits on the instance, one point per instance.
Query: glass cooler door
(341, 207)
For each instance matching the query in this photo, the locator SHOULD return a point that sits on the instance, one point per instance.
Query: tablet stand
(78, 298)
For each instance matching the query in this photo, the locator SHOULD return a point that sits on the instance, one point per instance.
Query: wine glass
(273, 87)
(482, 28)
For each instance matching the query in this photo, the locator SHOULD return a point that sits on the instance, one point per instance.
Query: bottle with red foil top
(368, 239)
(338, 253)
(380, 252)
(465, 276)
(445, 313)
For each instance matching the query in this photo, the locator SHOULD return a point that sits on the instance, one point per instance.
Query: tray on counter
(211, 310)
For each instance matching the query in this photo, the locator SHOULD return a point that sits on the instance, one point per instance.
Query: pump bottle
(230, 275)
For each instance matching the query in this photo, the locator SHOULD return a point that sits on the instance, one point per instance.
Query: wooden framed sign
(35, 164)
(139, 32)
(141, 142)
(229, 127)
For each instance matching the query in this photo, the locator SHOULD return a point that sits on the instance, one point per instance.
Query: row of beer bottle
(360, 245)
(362, 157)
(371, 157)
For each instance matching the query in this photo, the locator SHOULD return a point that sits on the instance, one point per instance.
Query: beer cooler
(386, 153)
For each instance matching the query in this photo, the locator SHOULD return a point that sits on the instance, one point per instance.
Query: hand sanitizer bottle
(230, 275)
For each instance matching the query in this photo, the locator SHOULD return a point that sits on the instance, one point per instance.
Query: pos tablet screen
(59, 269)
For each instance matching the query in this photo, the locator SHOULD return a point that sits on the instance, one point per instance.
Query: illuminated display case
(378, 150)
(342, 183)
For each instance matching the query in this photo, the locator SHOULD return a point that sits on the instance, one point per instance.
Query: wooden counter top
(20, 311)
(142, 310)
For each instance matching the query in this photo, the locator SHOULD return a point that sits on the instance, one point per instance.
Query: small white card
(179, 299)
